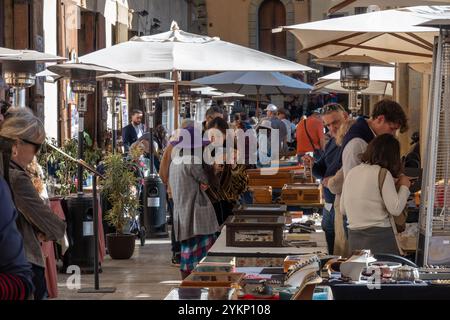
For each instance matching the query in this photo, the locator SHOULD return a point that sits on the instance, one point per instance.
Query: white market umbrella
(27, 55)
(381, 79)
(345, 5)
(256, 83)
(177, 50)
(389, 35)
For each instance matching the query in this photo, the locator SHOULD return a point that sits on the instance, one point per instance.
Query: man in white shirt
(387, 117)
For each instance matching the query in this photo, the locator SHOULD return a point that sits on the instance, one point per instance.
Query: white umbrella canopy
(381, 79)
(345, 5)
(27, 55)
(389, 35)
(256, 82)
(177, 50)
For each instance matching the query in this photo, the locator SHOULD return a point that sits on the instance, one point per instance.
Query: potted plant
(119, 187)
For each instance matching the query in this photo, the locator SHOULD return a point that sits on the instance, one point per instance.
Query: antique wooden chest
(298, 193)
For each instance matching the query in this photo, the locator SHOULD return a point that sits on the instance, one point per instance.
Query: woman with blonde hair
(36, 221)
(335, 184)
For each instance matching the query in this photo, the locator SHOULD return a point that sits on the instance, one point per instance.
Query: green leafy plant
(66, 169)
(119, 188)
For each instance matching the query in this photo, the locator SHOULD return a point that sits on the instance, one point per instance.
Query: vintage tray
(255, 231)
(212, 279)
(298, 193)
(261, 209)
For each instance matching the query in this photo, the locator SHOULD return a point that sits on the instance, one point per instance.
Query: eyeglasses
(332, 107)
(37, 146)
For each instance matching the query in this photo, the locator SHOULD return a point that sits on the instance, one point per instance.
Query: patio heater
(154, 218)
(184, 96)
(82, 220)
(434, 217)
(19, 75)
(355, 75)
(113, 91)
(83, 82)
(19, 72)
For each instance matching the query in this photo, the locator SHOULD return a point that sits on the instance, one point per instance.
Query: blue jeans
(328, 228)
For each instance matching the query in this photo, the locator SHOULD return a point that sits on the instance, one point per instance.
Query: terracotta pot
(120, 246)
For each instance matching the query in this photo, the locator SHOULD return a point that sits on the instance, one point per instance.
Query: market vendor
(333, 116)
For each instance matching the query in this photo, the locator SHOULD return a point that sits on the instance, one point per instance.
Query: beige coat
(193, 212)
(341, 247)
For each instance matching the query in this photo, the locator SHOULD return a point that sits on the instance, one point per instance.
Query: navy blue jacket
(129, 136)
(360, 129)
(12, 255)
(327, 166)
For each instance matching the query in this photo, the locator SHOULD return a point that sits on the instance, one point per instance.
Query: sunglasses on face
(332, 107)
(37, 146)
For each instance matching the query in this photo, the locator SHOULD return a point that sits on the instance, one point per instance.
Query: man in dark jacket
(333, 116)
(134, 130)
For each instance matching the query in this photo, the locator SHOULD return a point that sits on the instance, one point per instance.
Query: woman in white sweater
(367, 210)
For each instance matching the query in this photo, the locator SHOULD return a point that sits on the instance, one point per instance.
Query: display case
(255, 231)
(301, 193)
(212, 279)
(216, 264)
(261, 209)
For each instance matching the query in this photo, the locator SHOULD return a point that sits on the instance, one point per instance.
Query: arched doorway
(272, 14)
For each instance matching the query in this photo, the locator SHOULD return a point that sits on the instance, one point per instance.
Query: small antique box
(212, 279)
(255, 231)
(261, 209)
(274, 178)
(301, 193)
(262, 194)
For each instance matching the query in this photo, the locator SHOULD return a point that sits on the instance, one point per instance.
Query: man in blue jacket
(333, 116)
(134, 130)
